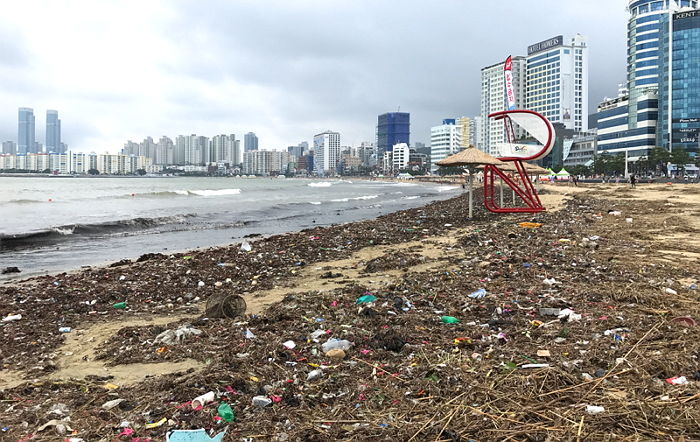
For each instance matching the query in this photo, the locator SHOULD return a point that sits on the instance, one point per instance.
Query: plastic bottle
(450, 320)
(225, 412)
(64, 329)
(120, 305)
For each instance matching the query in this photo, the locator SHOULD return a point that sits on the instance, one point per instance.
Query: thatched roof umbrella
(470, 158)
(534, 169)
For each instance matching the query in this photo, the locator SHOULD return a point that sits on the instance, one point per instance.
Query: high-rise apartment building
(225, 149)
(556, 81)
(9, 147)
(250, 142)
(265, 162)
(466, 125)
(326, 152)
(392, 128)
(445, 140)
(165, 152)
(493, 99)
(26, 136)
(53, 133)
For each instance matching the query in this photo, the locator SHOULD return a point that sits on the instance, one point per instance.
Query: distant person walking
(574, 178)
(633, 180)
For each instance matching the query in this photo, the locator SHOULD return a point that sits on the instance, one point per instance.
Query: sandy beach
(586, 329)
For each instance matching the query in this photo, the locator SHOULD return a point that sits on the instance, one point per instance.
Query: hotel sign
(545, 45)
(682, 15)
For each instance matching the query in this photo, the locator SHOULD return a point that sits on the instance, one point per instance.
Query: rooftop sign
(545, 45)
(689, 14)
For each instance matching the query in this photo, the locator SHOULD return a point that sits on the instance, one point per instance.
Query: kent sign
(547, 44)
(682, 15)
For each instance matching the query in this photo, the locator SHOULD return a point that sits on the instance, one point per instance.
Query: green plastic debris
(366, 299)
(225, 412)
(449, 320)
(120, 305)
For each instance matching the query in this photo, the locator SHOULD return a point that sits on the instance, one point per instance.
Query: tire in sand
(225, 306)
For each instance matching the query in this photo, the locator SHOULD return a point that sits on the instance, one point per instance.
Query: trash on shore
(193, 436)
(11, 318)
(177, 336)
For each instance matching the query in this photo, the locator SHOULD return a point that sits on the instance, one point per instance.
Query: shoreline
(405, 363)
(13, 279)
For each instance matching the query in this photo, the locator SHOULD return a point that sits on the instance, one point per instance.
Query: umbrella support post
(471, 200)
(500, 185)
(523, 189)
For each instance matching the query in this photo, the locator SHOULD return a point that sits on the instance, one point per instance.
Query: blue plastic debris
(193, 436)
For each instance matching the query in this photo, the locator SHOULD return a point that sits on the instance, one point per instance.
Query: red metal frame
(520, 182)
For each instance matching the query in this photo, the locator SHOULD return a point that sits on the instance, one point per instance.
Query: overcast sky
(286, 70)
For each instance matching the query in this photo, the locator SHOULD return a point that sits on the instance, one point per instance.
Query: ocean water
(52, 224)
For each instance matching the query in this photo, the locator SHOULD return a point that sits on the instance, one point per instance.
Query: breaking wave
(55, 234)
(321, 184)
(359, 198)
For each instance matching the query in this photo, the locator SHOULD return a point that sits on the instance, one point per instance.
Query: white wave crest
(315, 203)
(219, 192)
(321, 184)
(359, 198)
(64, 231)
(446, 188)
(410, 197)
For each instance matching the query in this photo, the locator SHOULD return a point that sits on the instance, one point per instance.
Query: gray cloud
(290, 69)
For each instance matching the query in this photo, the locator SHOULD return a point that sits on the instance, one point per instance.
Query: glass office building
(392, 128)
(26, 142)
(679, 82)
(53, 133)
(638, 121)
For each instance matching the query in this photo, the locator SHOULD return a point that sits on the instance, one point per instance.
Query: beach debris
(289, 345)
(177, 336)
(527, 225)
(677, 380)
(366, 299)
(64, 329)
(119, 305)
(314, 375)
(449, 320)
(594, 409)
(194, 435)
(670, 291)
(11, 318)
(203, 400)
(60, 426)
(336, 344)
(8, 270)
(262, 401)
(111, 404)
(225, 412)
(246, 247)
(685, 320)
(478, 294)
(336, 353)
(568, 315)
(156, 424)
(526, 366)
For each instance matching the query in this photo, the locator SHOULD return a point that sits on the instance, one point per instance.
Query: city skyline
(281, 95)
